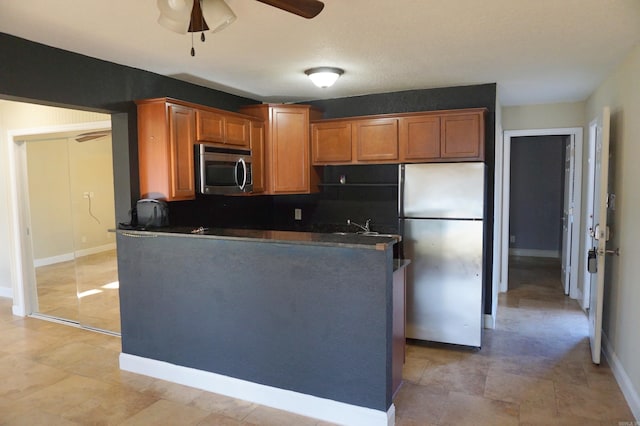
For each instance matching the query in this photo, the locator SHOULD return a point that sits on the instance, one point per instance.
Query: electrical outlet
(297, 214)
(84, 239)
(512, 238)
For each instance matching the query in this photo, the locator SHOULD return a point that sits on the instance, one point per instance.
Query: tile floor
(94, 278)
(533, 369)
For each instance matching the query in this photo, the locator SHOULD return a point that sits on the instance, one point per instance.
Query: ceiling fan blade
(84, 137)
(305, 8)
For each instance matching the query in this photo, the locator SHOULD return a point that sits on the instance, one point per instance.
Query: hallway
(533, 369)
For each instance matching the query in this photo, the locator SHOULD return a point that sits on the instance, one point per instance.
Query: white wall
(14, 116)
(544, 116)
(621, 318)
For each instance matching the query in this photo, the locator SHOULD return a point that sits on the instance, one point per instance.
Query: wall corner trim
(624, 381)
(295, 402)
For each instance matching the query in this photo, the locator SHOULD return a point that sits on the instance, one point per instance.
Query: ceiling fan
(194, 16)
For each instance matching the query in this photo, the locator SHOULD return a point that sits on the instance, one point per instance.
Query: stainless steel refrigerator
(441, 212)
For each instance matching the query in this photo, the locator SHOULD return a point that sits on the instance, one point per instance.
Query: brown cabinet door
(331, 142)
(210, 126)
(257, 155)
(376, 139)
(236, 131)
(462, 136)
(419, 138)
(181, 134)
(289, 150)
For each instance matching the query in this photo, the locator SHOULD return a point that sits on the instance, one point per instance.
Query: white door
(600, 233)
(567, 214)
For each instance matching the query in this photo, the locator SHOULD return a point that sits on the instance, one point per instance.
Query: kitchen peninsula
(294, 320)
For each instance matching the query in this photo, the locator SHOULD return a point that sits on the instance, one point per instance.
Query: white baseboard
(555, 254)
(295, 402)
(70, 256)
(489, 321)
(6, 292)
(53, 259)
(626, 386)
(95, 250)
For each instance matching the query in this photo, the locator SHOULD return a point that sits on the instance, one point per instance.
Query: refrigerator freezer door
(444, 280)
(444, 190)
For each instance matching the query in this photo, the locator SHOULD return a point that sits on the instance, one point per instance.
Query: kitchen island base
(302, 324)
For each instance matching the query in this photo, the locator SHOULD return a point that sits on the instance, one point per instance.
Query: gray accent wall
(537, 192)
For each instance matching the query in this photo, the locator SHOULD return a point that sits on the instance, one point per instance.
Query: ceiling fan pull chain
(193, 51)
(203, 27)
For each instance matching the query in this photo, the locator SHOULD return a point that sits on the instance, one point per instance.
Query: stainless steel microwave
(222, 170)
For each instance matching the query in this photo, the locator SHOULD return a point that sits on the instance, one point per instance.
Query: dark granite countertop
(376, 242)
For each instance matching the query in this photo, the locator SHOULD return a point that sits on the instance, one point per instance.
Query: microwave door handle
(244, 172)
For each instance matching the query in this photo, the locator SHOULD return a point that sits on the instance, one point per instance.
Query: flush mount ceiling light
(195, 16)
(324, 77)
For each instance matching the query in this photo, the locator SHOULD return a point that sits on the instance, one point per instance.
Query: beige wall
(621, 318)
(14, 116)
(60, 171)
(547, 116)
(49, 198)
(91, 170)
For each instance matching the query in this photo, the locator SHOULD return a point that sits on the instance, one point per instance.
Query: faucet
(365, 228)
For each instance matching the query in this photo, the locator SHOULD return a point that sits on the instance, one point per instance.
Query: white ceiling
(538, 51)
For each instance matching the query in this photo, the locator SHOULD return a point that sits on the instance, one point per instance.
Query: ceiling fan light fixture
(175, 15)
(324, 77)
(217, 14)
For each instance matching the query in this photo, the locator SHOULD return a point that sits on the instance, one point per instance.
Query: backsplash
(368, 192)
(218, 211)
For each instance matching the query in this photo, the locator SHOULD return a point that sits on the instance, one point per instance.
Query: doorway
(573, 193)
(61, 198)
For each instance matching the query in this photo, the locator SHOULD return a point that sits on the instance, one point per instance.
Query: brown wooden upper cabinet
(354, 141)
(331, 142)
(218, 127)
(443, 136)
(166, 132)
(421, 137)
(462, 136)
(287, 159)
(376, 140)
